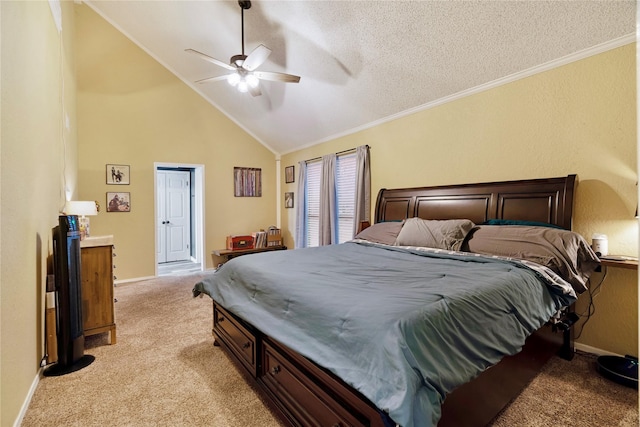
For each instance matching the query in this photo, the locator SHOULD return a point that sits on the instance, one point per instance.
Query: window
(345, 195)
(314, 176)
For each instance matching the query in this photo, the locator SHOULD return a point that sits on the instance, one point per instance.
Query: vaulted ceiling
(363, 62)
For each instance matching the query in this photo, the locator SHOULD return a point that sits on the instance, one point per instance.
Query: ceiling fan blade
(255, 91)
(212, 60)
(256, 58)
(276, 77)
(213, 79)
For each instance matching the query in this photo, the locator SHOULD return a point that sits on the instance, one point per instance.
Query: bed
(377, 334)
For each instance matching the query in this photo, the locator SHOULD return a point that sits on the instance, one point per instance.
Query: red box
(239, 242)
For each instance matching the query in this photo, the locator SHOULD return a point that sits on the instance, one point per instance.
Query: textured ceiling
(361, 62)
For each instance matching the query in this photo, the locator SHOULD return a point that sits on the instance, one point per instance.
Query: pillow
(382, 232)
(563, 251)
(439, 234)
(519, 222)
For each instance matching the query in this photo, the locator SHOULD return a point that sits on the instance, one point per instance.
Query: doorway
(179, 218)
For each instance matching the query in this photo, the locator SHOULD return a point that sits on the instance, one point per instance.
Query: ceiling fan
(244, 75)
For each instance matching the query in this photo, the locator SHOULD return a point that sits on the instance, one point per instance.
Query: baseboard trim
(594, 350)
(27, 400)
(136, 279)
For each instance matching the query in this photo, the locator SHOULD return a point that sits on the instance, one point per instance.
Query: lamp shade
(80, 208)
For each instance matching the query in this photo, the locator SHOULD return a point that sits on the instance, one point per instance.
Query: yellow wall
(38, 158)
(578, 118)
(132, 111)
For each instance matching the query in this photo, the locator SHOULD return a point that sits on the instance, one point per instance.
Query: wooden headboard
(548, 200)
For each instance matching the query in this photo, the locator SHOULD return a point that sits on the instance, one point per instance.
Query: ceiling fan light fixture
(233, 79)
(242, 86)
(252, 80)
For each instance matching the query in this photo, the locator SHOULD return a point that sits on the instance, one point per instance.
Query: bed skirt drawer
(299, 397)
(238, 338)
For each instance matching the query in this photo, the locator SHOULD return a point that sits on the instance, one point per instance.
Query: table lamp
(82, 209)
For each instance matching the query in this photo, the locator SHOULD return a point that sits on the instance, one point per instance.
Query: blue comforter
(402, 326)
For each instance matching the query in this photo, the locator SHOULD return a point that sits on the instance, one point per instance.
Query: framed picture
(118, 174)
(247, 182)
(289, 173)
(288, 199)
(118, 202)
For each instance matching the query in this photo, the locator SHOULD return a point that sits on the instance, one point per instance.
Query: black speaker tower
(69, 329)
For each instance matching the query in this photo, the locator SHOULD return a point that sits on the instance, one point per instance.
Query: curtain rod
(337, 154)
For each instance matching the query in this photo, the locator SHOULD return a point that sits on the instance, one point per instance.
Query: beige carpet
(164, 371)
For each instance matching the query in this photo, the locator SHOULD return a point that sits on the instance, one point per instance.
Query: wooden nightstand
(620, 263)
(623, 370)
(98, 311)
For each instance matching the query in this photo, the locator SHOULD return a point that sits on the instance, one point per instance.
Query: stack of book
(267, 239)
(274, 237)
(259, 239)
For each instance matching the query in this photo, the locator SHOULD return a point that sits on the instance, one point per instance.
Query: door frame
(198, 209)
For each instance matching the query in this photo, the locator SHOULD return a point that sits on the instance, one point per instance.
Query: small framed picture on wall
(118, 174)
(118, 202)
(289, 174)
(288, 200)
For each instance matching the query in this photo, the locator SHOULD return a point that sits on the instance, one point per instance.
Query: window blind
(314, 176)
(346, 191)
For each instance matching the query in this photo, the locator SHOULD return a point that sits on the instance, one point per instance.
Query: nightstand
(98, 311)
(625, 262)
(623, 370)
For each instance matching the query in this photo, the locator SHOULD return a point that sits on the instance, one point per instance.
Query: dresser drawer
(302, 399)
(238, 338)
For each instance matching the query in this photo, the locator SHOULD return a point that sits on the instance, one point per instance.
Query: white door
(161, 236)
(174, 216)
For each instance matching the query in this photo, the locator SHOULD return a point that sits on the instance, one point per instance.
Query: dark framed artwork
(288, 200)
(247, 182)
(289, 174)
(118, 175)
(118, 201)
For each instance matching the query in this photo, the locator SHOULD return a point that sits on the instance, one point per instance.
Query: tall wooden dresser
(98, 311)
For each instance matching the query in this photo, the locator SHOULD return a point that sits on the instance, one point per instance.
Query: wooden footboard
(308, 395)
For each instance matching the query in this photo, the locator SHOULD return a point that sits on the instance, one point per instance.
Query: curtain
(328, 201)
(362, 200)
(301, 210)
(324, 198)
